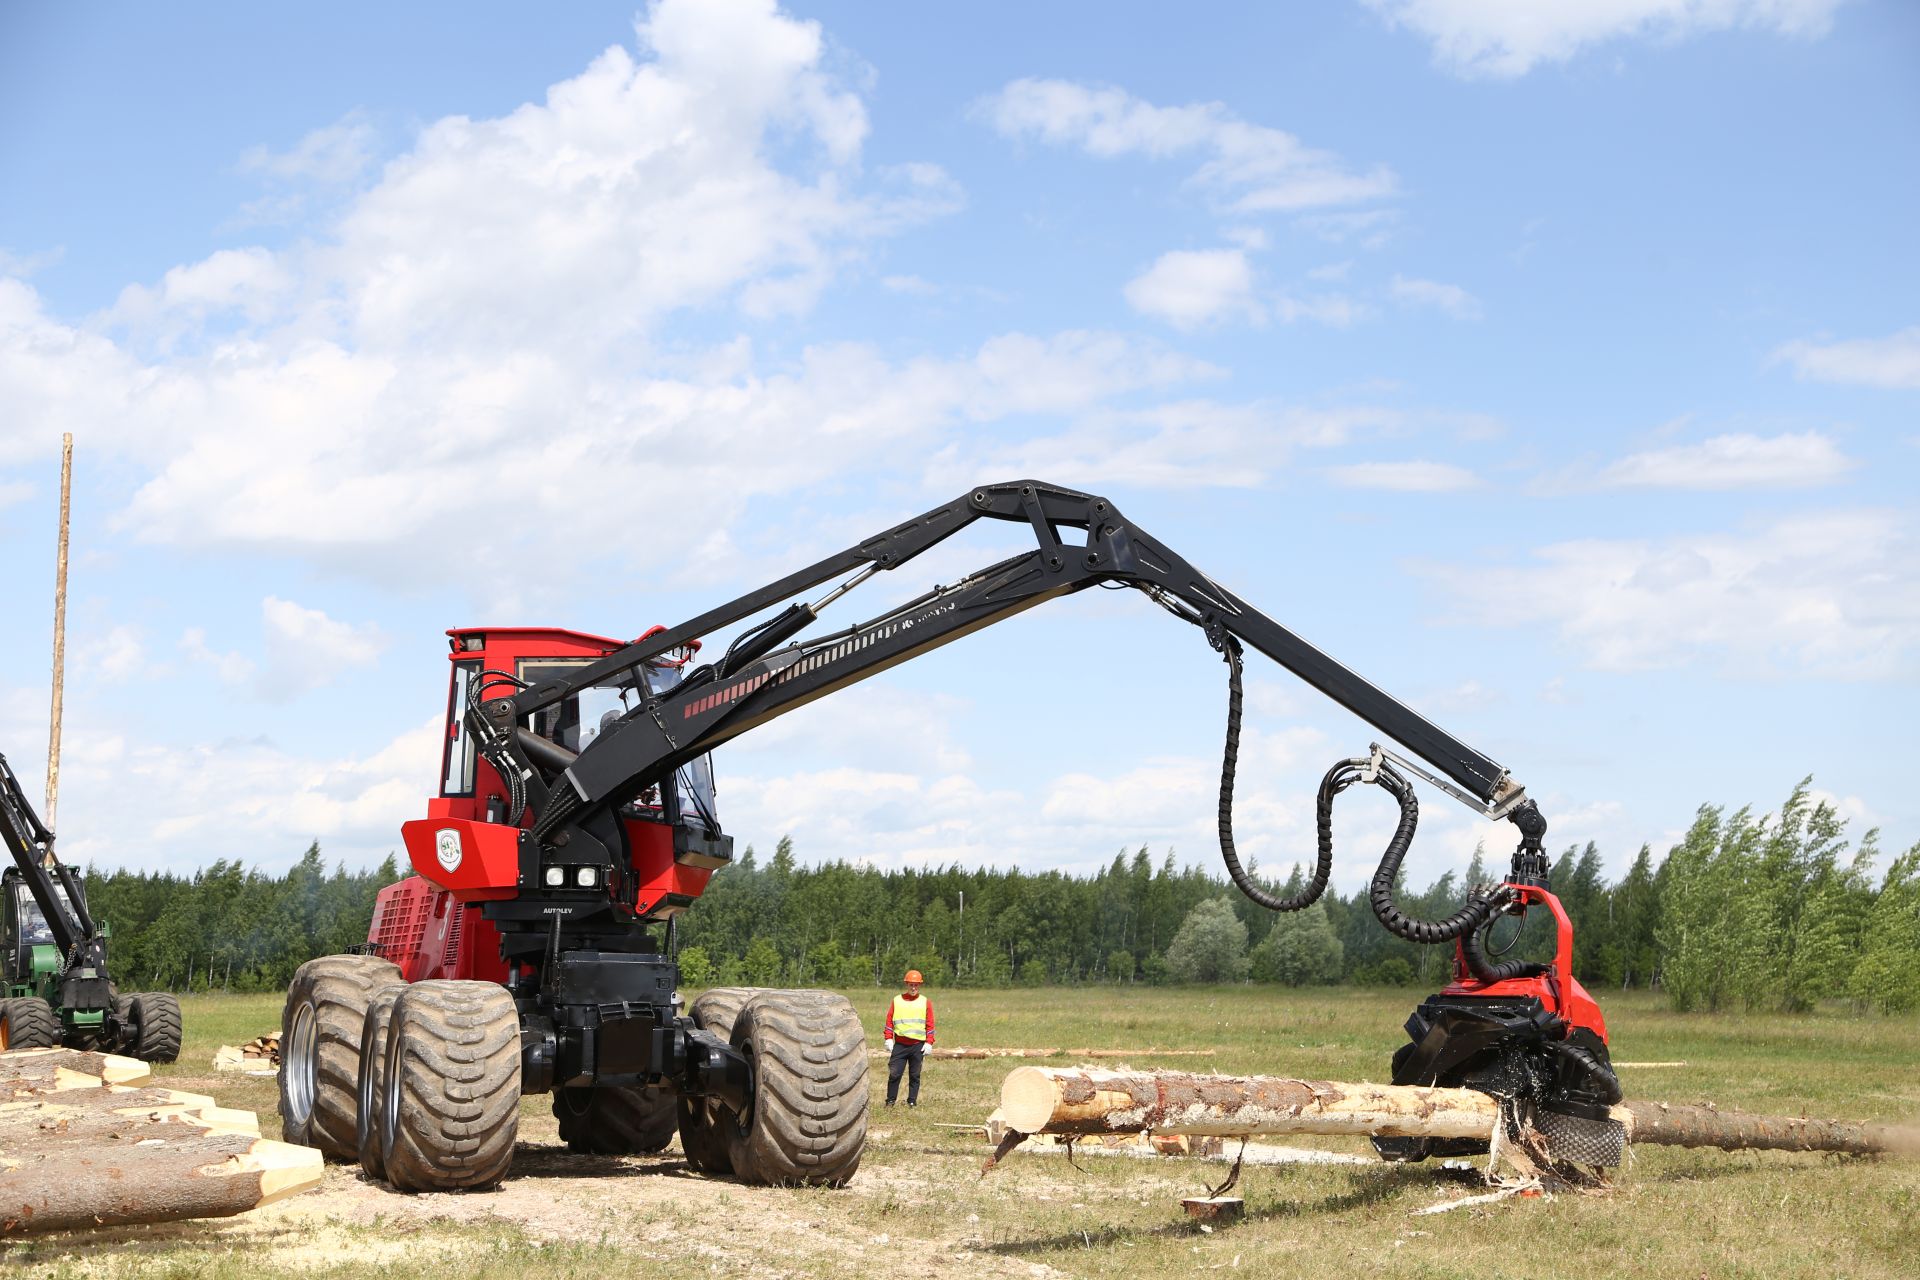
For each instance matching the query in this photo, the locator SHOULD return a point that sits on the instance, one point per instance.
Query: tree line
(1758, 912)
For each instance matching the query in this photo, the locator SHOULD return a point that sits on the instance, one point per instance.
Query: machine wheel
(373, 1078)
(155, 1034)
(809, 1119)
(451, 1107)
(702, 1136)
(27, 1022)
(123, 1022)
(616, 1121)
(320, 1049)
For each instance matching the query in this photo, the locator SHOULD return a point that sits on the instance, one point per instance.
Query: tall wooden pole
(59, 630)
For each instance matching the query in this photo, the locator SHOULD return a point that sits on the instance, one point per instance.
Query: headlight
(585, 877)
(556, 876)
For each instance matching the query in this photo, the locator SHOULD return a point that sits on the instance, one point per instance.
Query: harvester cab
(576, 818)
(55, 988)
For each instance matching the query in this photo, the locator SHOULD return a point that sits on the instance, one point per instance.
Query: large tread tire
(320, 1050)
(703, 1137)
(28, 1022)
(452, 1105)
(616, 1121)
(373, 1079)
(809, 1120)
(156, 1026)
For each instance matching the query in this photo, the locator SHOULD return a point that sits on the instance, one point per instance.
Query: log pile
(84, 1142)
(259, 1056)
(1086, 1103)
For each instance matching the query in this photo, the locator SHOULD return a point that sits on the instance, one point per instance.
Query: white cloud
(338, 153)
(1405, 477)
(118, 655)
(899, 817)
(1336, 310)
(1250, 168)
(1505, 38)
(14, 491)
(484, 310)
(1450, 298)
(1178, 445)
(249, 794)
(1892, 362)
(1369, 228)
(307, 649)
(908, 284)
(22, 265)
(1834, 595)
(303, 650)
(232, 667)
(1192, 288)
(250, 281)
(1737, 461)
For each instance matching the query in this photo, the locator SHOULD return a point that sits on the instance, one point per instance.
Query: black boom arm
(1082, 541)
(31, 845)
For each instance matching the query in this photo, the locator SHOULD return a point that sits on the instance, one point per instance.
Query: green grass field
(920, 1207)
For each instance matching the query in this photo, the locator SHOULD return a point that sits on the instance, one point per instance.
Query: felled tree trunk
(1710, 1126)
(79, 1151)
(937, 1053)
(175, 1170)
(1048, 1100)
(24, 1072)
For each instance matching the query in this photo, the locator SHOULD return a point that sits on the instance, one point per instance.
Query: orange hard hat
(913, 975)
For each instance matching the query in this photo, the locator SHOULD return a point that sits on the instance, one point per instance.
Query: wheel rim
(390, 1088)
(299, 1066)
(370, 1090)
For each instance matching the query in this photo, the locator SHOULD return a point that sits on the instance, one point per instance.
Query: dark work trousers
(907, 1056)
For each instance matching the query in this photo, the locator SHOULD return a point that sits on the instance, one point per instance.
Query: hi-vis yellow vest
(909, 1018)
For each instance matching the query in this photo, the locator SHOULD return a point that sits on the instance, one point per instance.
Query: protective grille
(403, 922)
(1601, 1142)
(451, 952)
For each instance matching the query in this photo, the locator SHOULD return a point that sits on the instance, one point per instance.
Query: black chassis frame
(597, 998)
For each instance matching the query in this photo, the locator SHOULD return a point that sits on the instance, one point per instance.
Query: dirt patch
(648, 1208)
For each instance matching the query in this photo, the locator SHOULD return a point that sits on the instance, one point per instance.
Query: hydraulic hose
(1474, 953)
(1230, 764)
(1482, 900)
(1601, 1079)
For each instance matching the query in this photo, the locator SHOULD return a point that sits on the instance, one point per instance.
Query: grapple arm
(1081, 541)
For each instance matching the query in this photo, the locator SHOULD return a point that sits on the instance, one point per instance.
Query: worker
(908, 1032)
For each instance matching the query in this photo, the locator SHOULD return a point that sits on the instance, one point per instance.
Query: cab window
(457, 776)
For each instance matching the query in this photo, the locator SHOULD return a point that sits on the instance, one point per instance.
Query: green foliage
(1211, 945)
(696, 967)
(1301, 950)
(1766, 912)
(1391, 972)
(229, 928)
(1888, 975)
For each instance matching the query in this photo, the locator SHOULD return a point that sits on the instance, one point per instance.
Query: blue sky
(1554, 367)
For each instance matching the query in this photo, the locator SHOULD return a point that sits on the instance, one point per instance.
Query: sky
(1554, 367)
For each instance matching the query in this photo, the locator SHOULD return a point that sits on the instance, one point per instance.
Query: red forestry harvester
(576, 818)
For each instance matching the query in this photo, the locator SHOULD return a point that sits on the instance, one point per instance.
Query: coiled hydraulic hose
(1473, 951)
(1482, 900)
